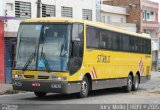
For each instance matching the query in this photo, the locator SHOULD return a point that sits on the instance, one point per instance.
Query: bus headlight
(58, 78)
(16, 76)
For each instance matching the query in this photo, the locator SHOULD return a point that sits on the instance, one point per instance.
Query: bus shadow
(110, 91)
(95, 93)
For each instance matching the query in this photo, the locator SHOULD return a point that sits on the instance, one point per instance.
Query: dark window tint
(110, 40)
(92, 37)
(125, 43)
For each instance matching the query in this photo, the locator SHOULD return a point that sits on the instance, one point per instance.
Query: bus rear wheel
(40, 94)
(129, 85)
(136, 83)
(84, 88)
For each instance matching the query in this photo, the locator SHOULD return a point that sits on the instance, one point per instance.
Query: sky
(158, 1)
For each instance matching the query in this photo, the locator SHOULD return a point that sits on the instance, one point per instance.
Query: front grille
(43, 77)
(29, 76)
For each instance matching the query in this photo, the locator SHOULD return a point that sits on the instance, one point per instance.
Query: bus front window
(54, 47)
(43, 47)
(28, 37)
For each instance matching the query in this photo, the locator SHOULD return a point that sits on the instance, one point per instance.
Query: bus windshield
(43, 47)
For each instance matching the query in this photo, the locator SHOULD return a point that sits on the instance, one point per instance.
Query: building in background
(159, 41)
(3, 19)
(2, 68)
(25, 9)
(98, 10)
(117, 16)
(1, 8)
(17, 10)
(144, 14)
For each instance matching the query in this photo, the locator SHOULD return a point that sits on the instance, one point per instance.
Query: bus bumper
(46, 86)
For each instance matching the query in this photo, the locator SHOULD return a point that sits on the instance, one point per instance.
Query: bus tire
(136, 83)
(84, 88)
(129, 85)
(40, 94)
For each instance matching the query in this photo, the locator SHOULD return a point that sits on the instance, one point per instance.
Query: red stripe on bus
(95, 71)
(93, 74)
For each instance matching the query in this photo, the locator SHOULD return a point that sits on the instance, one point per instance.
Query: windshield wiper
(29, 61)
(43, 57)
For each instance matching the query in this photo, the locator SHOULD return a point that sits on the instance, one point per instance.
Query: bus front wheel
(40, 94)
(84, 88)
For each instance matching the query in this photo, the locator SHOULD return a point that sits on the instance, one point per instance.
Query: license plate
(36, 84)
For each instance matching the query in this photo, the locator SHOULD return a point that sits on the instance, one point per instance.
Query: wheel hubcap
(136, 82)
(84, 87)
(130, 83)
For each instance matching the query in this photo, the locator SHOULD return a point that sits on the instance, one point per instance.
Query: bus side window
(93, 37)
(125, 43)
(77, 39)
(103, 39)
(76, 46)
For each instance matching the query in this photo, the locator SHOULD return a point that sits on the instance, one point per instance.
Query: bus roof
(91, 23)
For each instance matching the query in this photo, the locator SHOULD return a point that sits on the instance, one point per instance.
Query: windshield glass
(54, 47)
(43, 47)
(28, 37)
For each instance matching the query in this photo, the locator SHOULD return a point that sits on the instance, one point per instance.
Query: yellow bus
(62, 55)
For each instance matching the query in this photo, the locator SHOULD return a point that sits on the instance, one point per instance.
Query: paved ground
(5, 88)
(149, 93)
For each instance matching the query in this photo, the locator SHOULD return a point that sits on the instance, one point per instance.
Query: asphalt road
(149, 93)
